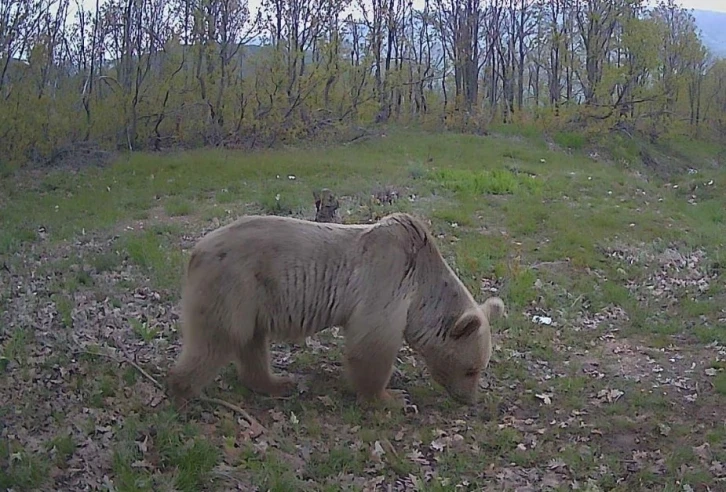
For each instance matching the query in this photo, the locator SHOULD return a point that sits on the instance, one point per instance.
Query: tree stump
(326, 205)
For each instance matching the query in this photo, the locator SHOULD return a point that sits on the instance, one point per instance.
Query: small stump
(326, 205)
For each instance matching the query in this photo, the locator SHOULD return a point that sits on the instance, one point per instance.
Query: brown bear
(268, 278)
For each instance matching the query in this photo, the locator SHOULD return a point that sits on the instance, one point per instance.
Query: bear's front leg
(254, 370)
(369, 360)
(394, 398)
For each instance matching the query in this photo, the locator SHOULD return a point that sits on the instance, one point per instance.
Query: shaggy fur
(267, 278)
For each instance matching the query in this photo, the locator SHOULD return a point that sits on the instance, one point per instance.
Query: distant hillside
(713, 30)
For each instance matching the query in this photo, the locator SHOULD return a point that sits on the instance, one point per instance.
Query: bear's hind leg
(253, 363)
(198, 364)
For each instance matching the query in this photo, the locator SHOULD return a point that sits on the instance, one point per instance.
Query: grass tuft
(612, 273)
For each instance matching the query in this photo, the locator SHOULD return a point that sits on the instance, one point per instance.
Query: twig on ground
(215, 401)
(230, 406)
(577, 299)
(145, 374)
(124, 360)
(541, 264)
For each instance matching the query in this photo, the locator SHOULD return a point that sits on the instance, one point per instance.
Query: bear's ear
(466, 325)
(494, 308)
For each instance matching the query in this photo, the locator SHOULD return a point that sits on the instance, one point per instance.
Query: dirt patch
(684, 373)
(609, 318)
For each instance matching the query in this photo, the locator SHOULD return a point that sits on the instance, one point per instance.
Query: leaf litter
(53, 383)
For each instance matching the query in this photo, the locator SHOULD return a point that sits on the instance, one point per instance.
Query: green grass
(175, 447)
(157, 256)
(543, 226)
(15, 345)
(63, 447)
(175, 207)
(720, 384)
(21, 470)
(468, 183)
(570, 140)
(143, 330)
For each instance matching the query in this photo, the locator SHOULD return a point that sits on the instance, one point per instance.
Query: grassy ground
(610, 372)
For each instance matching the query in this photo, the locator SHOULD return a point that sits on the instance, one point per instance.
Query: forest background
(152, 74)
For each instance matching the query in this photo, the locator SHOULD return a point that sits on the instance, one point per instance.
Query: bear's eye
(471, 373)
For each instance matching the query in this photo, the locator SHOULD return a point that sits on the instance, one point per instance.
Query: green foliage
(177, 449)
(64, 306)
(520, 289)
(548, 245)
(158, 91)
(720, 383)
(570, 140)
(15, 347)
(25, 471)
(337, 460)
(143, 330)
(63, 447)
(495, 182)
(178, 207)
(154, 251)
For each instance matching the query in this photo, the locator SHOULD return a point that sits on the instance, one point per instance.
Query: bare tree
(459, 22)
(596, 24)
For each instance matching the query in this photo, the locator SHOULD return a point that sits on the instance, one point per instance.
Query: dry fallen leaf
(438, 444)
(327, 401)
(703, 451)
(142, 464)
(556, 464)
(417, 457)
(252, 431)
(231, 452)
(143, 445)
(718, 469)
(610, 395)
(546, 398)
(377, 451)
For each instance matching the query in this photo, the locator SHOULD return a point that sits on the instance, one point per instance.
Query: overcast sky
(717, 5)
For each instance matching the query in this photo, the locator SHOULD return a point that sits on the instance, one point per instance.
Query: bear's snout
(465, 396)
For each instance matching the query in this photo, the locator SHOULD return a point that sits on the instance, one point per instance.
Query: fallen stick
(145, 374)
(215, 401)
(125, 360)
(230, 406)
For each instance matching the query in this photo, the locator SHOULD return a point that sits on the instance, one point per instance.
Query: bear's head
(458, 360)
